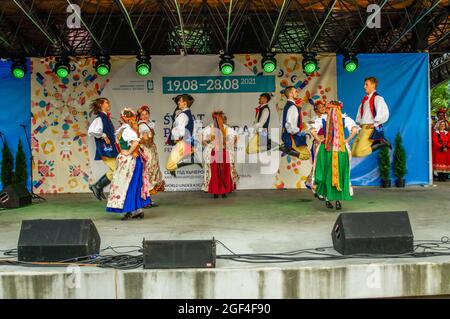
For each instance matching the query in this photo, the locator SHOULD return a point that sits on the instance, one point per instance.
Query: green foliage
(20, 172)
(384, 163)
(440, 97)
(399, 158)
(7, 166)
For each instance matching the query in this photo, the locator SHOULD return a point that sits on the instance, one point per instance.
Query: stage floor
(251, 222)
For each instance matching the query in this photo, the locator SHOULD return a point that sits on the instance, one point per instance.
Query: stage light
(350, 62)
(226, 65)
(18, 68)
(143, 65)
(102, 65)
(309, 63)
(268, 62)
(62, 67)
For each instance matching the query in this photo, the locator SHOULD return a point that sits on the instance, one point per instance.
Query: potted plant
(7, 173)
(385, 167)
(20, 172)
(399, 162)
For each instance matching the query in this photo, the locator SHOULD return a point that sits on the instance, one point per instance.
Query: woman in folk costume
(129, 186)
(147, 134)
(102, 129)
(219, 141)
(441, 150)
(332, 165)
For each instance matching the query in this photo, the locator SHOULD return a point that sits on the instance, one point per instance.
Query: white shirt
(262, 120)
(128, 134)
(348, 122)
(96, 128)
(381, 108)
(145, 127)
(179, 126)
(292, 120)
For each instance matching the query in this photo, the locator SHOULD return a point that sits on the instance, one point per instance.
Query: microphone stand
(33, 195)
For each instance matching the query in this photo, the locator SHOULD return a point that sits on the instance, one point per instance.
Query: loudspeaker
(15, 196)
(50, 240)
(373, 233)
(179, 254)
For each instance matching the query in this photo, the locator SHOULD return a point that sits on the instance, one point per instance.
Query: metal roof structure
(123, 27)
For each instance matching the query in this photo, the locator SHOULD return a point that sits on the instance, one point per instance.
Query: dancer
(129, 187)
(219, 141)
(294, 140)
(373, 112)
(182, 135)
(147, 134)
(332, 164)
(320, 108)
(441, 150)
(102, 129)
(261, 126)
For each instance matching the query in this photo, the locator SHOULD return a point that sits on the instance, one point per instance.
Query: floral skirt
(133, 198)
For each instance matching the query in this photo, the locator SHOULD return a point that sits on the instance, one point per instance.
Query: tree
(20, 172)
(399, 158)
(385, 164)
(7, 165)
(440, 97)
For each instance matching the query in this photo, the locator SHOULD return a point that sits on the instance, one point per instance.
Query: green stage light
(18, 68)
(143, 65)
(62, 67)
(268, 62)
(309, 63)
(226, 64)
(350, 62)
(102, 65)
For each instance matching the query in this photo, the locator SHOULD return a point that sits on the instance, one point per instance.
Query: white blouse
(348, 122)
(262, 120)
(128, 134)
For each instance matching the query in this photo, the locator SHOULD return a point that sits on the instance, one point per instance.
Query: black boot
(338, 205)
(105, 182)
(328, 204)
(97, 188)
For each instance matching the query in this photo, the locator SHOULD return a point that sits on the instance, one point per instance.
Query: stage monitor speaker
(373, 233)
(50, 240)
(179, 254)
(15, 196)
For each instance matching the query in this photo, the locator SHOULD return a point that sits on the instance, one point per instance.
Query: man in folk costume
(294, 140)
(147, 134)
(441, 150)
(102, 129)
(129, 186)
(373, 112)
(260, 141)
(219, 141)
(181, 134)
(320, 108)
(332, 164)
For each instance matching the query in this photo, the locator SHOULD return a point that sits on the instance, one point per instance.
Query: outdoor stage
(247, 222)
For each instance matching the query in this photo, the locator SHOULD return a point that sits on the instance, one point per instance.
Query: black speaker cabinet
(49, 240)
(179, 254)
(15, 196)
(373, 233)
